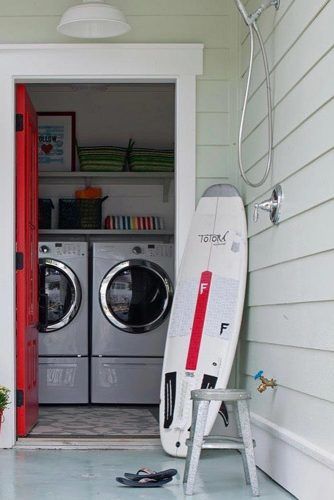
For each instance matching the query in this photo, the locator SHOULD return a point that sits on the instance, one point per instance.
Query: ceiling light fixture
(93, 19)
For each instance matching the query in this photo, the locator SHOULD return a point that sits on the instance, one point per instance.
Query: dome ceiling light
(93, 19)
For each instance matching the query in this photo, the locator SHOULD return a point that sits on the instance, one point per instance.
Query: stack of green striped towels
(102, 159)
(151, 160)
(118, 159)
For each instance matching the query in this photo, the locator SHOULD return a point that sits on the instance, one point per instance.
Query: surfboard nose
(221, 190)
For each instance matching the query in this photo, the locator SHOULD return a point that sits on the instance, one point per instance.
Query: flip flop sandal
(151, 474)
(145, 482)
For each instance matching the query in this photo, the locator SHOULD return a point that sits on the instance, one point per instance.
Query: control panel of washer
(159, 250)
(60, 249)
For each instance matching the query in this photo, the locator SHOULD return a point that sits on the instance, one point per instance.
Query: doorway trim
(59, 63)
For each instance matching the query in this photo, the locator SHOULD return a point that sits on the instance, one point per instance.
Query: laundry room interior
(106, 277)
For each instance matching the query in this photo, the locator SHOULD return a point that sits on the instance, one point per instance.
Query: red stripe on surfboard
(199, 318)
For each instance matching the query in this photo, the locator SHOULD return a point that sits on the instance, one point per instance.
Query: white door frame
(179, 63)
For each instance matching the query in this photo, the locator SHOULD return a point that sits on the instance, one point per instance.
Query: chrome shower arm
(250, 19)
(265, 4)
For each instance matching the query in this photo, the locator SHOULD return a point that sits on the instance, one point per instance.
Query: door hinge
(19, 261)
(19, 398)
(19, 122)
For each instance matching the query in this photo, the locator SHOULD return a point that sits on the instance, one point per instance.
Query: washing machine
(63, 336)
(132, 292)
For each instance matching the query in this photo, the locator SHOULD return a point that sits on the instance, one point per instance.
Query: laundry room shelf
(115, 178)
(109, 232)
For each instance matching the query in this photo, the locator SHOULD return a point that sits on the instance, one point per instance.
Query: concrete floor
(89, 475)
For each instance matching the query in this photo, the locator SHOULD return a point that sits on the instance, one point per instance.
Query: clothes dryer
(132, 295)
(63, 337)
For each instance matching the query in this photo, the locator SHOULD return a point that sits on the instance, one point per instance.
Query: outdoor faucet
(265, 382)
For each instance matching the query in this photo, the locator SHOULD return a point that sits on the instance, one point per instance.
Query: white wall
(111, 114)
(289, 330)
(123, 199)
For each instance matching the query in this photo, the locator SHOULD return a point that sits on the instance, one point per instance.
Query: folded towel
(149, 160)
(102, 159)
(151, 168)
(131, 222)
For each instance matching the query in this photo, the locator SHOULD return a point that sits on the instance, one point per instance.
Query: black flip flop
(144, 482)
(151, 474)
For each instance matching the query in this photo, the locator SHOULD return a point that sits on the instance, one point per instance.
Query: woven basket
(45, 207)
(80, 213)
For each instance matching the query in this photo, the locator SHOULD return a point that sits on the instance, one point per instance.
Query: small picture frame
(56, 141)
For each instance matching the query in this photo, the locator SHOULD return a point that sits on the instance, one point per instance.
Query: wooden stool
(197, 441)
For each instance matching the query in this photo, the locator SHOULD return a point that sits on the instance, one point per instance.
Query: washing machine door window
(136, 296)
(63, 291)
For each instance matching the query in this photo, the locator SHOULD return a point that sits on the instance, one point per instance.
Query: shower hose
(253, 27)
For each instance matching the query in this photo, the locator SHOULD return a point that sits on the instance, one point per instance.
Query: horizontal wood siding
(34, 8)
(289, 322)
(212, 22)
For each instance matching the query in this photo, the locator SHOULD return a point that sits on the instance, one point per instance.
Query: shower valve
(272, 205)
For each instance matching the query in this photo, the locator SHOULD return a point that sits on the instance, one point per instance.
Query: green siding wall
(211, 22)
(290, 310)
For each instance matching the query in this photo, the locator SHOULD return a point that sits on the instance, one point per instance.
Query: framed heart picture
(56, 141)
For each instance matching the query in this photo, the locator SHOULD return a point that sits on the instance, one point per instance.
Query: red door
(27, 309)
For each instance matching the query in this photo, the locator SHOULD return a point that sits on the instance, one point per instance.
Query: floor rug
(106, 421)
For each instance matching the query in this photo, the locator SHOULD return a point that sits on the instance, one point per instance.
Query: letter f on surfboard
(199, 318)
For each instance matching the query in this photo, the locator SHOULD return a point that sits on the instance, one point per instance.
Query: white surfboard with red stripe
(206, 313)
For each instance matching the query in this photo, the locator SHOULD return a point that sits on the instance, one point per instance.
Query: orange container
(89, 193)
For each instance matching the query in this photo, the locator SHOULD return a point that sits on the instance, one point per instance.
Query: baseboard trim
(294, 440)
(300, 474)
(87, 444)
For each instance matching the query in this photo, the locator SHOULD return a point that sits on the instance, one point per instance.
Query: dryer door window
(136, 296)
(63, 294)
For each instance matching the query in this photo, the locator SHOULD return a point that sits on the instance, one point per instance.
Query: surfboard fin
(209, 382)
(170, 395)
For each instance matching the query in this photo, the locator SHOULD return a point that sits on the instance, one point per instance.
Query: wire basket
(80, 213)
(45, 207)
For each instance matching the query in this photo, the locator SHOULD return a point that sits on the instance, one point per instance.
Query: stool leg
(248, 443)
(191, 437)
(242, 452)
(196, 446)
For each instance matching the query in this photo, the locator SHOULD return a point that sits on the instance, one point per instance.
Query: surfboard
(206, 314)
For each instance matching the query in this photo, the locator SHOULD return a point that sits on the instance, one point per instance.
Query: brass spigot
(265, 382)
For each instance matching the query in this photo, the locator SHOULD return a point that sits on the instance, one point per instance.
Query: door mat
(85, 421)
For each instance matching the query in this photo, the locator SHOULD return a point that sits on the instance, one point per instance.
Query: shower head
(252, 18)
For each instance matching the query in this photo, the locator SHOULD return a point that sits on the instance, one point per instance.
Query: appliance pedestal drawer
(126, 380)
(63, 380)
